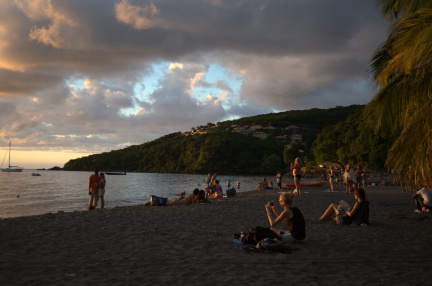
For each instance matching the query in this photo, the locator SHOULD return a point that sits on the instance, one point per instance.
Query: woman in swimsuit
(296, 168)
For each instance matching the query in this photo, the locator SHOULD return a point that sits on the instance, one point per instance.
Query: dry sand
(192, 245)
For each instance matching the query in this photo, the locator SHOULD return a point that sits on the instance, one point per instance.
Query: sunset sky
(79, 77)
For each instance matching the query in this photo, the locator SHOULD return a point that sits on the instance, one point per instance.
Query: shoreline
(192, 245)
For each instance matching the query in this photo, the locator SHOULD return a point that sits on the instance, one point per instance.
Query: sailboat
(11, 168)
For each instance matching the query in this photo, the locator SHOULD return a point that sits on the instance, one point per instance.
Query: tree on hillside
(402, 70)
(292, 152)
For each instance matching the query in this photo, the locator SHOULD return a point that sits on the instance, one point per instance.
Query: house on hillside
(280, 138)
(242, 130)
(256, 127)
(296, 138)
(293, 129)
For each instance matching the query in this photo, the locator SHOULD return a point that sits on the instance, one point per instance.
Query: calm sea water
(22, 194)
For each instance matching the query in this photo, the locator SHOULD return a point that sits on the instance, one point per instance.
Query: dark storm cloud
(288, 54)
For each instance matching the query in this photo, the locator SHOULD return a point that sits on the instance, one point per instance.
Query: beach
(179, 245)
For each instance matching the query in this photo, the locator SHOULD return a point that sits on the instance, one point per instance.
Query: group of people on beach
(97, 184)
(295, 224)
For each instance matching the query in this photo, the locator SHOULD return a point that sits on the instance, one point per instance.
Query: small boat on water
(11, 168)
(36, 174)
(310, 184)
(115, 173)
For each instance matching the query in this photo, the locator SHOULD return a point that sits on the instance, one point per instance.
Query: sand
(192, 245)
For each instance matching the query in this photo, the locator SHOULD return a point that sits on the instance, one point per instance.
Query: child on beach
(358, 214)
(279, 180)
(291, 215)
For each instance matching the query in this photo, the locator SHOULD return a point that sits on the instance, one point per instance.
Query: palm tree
(402, 70)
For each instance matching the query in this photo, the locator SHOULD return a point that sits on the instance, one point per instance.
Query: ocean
(22, 194)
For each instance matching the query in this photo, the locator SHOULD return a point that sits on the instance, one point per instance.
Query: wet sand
(179, 245)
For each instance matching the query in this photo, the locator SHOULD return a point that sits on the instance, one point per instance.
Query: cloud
(75, 68)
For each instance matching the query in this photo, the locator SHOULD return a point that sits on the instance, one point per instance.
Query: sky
(79, 77)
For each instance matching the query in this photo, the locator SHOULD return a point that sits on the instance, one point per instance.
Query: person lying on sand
(359, 213)
(189, 199)
(291, 215)
(202, 197)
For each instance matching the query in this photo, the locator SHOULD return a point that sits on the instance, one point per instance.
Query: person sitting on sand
(217, 190)
(383, 183)
(188, 200)
(423, 200)
(262, 185)
(291, 215)
(358, 214)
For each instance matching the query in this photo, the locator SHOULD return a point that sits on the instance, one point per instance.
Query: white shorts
(101, 192)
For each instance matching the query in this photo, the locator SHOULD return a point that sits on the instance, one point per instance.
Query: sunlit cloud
(130, 71)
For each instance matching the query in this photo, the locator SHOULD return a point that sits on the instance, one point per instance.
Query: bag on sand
(157, 201)
(231, 192)
(257, 234)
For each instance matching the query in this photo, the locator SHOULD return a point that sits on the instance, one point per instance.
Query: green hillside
(220, 149)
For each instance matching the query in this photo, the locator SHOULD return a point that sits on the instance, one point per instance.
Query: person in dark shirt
(291, 215)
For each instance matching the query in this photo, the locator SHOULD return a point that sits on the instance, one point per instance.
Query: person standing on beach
(291, 215)
(349, 178)
(208, 183)
(213, 179)
(331, 178)
(101, 190)
(279, 180)
(296, 168)
(359, 176)
(93, 190)
(411, 179)
(238, 184)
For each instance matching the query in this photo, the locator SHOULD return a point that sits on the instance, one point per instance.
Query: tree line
(336, 134)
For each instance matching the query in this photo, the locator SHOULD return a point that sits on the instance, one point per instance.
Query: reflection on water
(22, 194)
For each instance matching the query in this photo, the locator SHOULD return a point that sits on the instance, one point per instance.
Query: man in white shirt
(423, 200)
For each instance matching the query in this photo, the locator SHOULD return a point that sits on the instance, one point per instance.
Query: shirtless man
(296, 168)
(189, 199)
